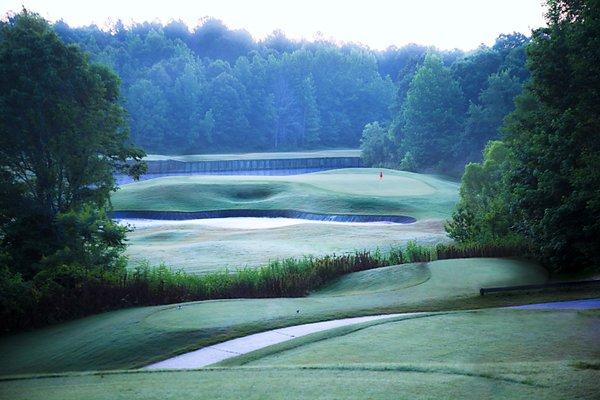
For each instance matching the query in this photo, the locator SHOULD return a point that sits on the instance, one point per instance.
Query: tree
(432, 116)
(551, 178)
(376, 145)
(63, 134)
(148, 109)
(485, 119)
(473, 71)
(228, 102)
(482, 214)
(553, 135)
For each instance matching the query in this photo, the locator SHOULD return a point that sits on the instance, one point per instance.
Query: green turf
(257, 156)
(500, 336)
(136, 337)
(508, 354)
(557, 352)
(199, 249)
(293, 383)
(346, 191)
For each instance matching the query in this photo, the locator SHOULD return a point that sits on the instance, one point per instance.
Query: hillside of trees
(214, 89)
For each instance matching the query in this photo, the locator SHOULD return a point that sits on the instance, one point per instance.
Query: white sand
(235, 222)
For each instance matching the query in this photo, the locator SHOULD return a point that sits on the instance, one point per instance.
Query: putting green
(345, 191)
(136, 337)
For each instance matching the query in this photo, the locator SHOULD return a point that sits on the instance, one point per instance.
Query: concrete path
(233, 348)
(563, 305)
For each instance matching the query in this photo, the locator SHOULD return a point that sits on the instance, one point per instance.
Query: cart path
(588, 304)
(232, 348)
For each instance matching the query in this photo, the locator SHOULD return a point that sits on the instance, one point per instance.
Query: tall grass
(292, 277)
(70, 292)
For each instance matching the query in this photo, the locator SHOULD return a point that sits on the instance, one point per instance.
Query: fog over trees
(215, 89)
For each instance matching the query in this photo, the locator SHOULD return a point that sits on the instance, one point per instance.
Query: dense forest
(443, 114)
(540, 185)
(215, 89)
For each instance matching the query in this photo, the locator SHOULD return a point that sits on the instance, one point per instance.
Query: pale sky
(446, 24)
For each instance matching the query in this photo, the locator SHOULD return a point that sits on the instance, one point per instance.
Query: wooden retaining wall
(174, 166)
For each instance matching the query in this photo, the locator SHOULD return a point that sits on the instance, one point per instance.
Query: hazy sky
(377, 23)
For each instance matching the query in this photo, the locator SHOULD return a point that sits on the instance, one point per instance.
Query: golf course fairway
(197, 247)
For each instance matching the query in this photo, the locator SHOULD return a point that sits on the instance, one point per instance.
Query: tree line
(216, 89)
(444, 114)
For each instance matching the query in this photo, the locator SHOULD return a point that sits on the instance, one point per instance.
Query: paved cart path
(232, 348)
(588, 304)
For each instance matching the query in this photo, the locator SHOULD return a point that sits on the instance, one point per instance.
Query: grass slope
(258, 156)
(346, 191)
(135, 337)
(508, 354)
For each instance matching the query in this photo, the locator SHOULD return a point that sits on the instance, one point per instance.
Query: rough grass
(345, 191)
(258, 156)
(136, 337)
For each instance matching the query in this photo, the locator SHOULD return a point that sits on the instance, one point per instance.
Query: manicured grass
(258, 156)
(136, 337)
(509, 354)
(200, 249)
(279, 383)
(555, 353)
(485, 337)
(346, 191)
